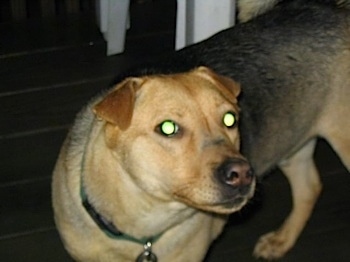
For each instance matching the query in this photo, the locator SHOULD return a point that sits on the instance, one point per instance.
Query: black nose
(235, 172)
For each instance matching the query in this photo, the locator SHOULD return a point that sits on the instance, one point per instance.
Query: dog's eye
(168, 128)
(229, 119)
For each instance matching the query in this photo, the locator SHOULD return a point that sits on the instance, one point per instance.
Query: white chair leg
(113, 20)
(180, 39)
(102, 15)
(117, 24)
(198, 19)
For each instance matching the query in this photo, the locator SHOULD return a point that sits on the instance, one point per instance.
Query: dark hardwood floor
(49, 69)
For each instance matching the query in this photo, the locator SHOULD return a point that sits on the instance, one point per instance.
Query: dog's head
(176, 137)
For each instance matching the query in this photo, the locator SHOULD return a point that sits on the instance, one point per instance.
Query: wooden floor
(49, 69)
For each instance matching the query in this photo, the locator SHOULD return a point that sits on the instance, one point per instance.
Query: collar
(108, 227)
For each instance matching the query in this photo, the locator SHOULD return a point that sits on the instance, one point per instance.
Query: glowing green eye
(229, 119)
(169, 128)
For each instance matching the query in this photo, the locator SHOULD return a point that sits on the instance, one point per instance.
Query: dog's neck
(111, 228)
(108, 227)
(153, 214)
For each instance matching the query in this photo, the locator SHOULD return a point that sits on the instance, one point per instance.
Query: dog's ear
(226, 85)
(118, 106)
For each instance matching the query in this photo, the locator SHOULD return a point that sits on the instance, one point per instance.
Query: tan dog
(154, 171)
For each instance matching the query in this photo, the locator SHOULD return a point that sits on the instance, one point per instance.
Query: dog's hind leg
(339, 138)
(305, 184)
(334, 125)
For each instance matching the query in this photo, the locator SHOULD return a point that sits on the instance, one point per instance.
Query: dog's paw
(272, 246)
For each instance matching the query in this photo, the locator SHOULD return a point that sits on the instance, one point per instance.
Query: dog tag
(147, 255)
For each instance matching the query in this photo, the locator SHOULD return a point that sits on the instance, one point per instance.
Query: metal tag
(147, 255)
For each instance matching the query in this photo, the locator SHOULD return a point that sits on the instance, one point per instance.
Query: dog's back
(296, 58)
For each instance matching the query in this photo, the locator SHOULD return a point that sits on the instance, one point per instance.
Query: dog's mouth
(234, 204)
(231, 186)
(220, 202)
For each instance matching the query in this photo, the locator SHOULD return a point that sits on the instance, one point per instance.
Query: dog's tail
(248, 9)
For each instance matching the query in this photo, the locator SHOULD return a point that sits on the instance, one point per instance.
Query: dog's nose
(235, 172)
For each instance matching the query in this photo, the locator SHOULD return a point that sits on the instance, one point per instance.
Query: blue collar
(108, 227)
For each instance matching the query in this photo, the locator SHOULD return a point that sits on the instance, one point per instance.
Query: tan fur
(143, 182)
(248, 9)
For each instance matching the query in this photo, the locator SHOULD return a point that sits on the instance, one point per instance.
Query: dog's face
(176, 137)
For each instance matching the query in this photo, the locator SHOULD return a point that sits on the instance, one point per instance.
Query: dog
(292, 61)
(151, 169)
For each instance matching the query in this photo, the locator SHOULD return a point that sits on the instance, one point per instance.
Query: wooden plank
(5, 11)
(34, 201)
(37, 246)
(18, 9)
(41, 34)
(72, 6)
(47, 108)
(72, 64)
(58, 67)
(47, 8)
(30, 157)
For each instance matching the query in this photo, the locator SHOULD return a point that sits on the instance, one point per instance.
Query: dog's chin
(224, 207)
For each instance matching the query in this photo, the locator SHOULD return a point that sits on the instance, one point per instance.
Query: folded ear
(227, 86)
(118, 106)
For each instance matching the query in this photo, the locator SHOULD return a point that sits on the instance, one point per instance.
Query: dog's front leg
(303, 177)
